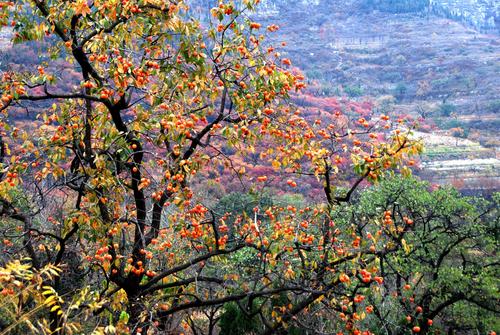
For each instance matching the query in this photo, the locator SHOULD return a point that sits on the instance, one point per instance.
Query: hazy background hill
(480, 14)
(483, 15)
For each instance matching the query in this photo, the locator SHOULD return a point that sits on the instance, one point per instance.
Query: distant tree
(401, 60)
(423, 110)
(353, 91)
(459, 133)
(400, 91)
(385, 104)
(493, 106)
(423, 89)
(447, 109)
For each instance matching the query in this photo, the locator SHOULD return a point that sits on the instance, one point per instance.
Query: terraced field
(462, 163)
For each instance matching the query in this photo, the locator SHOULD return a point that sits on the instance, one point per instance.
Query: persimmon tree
(106, 182)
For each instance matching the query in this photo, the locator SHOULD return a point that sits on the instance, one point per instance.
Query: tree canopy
(109, 220)
(445, 272)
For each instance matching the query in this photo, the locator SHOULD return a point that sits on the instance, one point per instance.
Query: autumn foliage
(108, 215)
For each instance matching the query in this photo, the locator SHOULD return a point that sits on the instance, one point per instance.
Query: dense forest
(166, 172)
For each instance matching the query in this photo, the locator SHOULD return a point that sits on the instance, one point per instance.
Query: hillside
(436, 61)
(414, 64)
(483, 15)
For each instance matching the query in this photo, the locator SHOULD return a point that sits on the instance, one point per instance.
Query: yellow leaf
(47, 292)
(50, 300)
(276, 164)
(81, 8)
(406, 248)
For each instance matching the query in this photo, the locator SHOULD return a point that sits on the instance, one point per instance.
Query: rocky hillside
(483, 15)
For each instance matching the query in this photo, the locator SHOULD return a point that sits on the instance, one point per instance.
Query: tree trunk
(135, 309)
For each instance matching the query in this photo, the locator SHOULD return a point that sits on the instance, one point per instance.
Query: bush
(400, 91)
(353, 91)
(446, 109)
(493, 106)
(234, 321)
